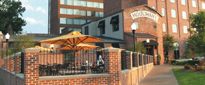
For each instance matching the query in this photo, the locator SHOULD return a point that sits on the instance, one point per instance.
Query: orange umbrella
(79, 47)
(72, 39)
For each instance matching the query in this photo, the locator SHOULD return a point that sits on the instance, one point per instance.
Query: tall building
(175, 16)
(69, 15)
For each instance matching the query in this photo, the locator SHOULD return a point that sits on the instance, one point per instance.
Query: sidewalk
(160, 75)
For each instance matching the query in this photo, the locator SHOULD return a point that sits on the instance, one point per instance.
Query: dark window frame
(101, 26)
(86, 32)
(115, 23)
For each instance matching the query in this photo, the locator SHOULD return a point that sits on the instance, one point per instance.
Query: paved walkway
(160, 75)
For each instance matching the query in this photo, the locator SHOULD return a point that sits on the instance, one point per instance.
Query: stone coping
(73, 76)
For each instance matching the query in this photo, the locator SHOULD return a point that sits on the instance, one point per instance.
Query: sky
(36, 16)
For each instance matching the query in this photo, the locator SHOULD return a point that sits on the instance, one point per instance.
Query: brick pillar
(113, 66)
(31, 72)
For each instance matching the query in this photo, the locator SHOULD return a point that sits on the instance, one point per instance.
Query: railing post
(113, 65)
(31, 68)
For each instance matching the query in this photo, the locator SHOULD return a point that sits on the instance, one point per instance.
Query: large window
(183, 2)
(164, 27)
(174, 28)
(115, 23)
(173, 13)
(203, 5)
(62, 20)
(185, 29)
(163, 11)
(82, 3)
(194, 3)
(184, 15)
(172, 1)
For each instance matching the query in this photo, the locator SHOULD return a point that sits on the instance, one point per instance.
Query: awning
(101, 24)
(152, 43)
(114, 20)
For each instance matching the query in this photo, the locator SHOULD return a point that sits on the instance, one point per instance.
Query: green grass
(188, 77)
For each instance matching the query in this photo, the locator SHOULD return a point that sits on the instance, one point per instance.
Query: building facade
(118, 26)
(175, 16)
(69, 15)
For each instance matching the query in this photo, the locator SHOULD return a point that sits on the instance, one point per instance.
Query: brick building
(69, 15)
(174, 19)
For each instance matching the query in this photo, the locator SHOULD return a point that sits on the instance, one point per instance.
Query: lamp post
(134, 27)
(1, 40)
(147, 41)
(176, 48)
(7, 37)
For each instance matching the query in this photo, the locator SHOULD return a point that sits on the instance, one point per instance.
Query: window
(69, 2)
(185, 29)
(116, 45)
(101, 26)
(100, 45)
(164, 29)
(89, 13)
(172, 1)
(183, 2)
(163, 11)
(83, 13)
(62, 1)
(173, 13)
(76, 21)
(62, 20)
(203, 5)
(61, 30)
(115, 23)
(63, 11)
(86, 30)
(174, 28)
(76, 12)
(69, 21)
(184, 15)
(193, 3)
(101, 5)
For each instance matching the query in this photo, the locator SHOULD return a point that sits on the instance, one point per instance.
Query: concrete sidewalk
(160, 75)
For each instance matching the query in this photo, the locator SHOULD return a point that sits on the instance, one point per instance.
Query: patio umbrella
(79, 47)
(72, 39)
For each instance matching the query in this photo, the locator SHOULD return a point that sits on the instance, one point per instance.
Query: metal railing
(138, 59)
(54, 63)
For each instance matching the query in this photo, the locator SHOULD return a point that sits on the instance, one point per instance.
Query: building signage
(147, 14)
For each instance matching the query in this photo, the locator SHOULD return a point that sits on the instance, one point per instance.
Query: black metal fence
(138, 59)
(54, 63)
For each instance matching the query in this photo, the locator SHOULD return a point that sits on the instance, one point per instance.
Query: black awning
(114, 20)
(101, 24)
(152, 43)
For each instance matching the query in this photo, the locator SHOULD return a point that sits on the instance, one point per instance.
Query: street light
(7, 36)
(148, 41)
(176, 48)
(134, 27)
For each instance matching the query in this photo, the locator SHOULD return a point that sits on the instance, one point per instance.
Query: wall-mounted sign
(147, 14)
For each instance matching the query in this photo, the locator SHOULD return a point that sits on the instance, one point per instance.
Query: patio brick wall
(114, 75)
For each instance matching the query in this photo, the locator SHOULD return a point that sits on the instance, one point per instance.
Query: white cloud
(33, 21)
(30, 7)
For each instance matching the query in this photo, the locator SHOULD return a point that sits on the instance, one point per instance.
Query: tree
(139, 47)
(168, 44)
(196, 42)
(198, 20)
(11, 16)
(22, 42)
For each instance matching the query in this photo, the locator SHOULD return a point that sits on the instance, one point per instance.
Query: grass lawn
(189, 78)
